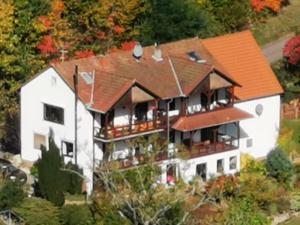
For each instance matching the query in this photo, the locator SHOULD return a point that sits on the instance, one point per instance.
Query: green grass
(275, 27)
(76, 197)
(289, 139)
(294, 221)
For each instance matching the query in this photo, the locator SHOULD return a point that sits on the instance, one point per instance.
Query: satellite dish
(259, 109)
(137, 51)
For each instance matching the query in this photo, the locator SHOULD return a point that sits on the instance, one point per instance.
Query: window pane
(232, 162)
(53, 114)
(67, 148)
(249, 143)
(172, 105)
(220, 165)
(201, 171)
(39, 141)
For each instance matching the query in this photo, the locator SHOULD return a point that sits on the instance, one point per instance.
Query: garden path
(273, 50)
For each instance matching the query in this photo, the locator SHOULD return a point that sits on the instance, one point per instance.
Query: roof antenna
(137, 52)
(157, 55)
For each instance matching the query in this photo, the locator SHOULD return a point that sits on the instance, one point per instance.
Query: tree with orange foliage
(261, 5)
(58, 34)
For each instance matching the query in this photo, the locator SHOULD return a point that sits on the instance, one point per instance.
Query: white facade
(259, 134)
(49, 88)
(186, 169)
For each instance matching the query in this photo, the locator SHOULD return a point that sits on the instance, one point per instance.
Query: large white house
(215, 98)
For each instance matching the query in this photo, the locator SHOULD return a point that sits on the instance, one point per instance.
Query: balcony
(136, 160)
(201, 149)
(136, 128)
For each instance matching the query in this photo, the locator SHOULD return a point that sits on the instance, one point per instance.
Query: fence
(291, 110)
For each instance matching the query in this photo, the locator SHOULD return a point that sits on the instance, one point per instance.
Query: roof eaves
(226, 77)
(176, 77)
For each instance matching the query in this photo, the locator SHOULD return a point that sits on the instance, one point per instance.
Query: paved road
(273, 50)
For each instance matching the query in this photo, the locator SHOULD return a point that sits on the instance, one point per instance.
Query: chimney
(137, 52)
(157, 54)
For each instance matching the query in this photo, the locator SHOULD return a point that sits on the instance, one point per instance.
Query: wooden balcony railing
(197, 150)
(110, 132)
(136, 160)
(207, 148)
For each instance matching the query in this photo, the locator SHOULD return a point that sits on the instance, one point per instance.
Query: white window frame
(223, 166)
(236, 161)
(64, 151)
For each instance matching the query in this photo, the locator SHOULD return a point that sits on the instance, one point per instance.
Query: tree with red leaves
(84, 54)
(291, 51)
(261, 5)
(47, 46)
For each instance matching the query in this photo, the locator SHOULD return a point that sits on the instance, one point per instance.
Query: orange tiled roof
(209, 119)
(243, 59)
(236, 57)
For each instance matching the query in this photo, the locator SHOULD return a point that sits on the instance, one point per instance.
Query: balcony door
(207, 134)
(140, 111)
(204, 101)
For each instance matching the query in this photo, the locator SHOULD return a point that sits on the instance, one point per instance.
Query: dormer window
(193, 56)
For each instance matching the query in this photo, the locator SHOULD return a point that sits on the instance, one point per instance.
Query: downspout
(168, 122)
(75, 80)
(93, 114)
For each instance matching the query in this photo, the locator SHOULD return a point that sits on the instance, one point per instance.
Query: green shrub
(173, 215)
(295, 201)
(51, 180)
(251, 165)
(283, 204)
(223, 186)
(279, 166)
(245, 212)
(73, 181)
(113, 218)
(11, 194)
(139, 178)
(265, 191)
(37, 211)
(76, 215)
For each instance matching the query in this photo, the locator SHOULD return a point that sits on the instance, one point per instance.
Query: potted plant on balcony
(183, 152)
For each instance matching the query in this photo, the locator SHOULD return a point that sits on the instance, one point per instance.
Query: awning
(210, 119)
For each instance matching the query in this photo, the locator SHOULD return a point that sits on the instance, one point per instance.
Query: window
(53, 114)
(172, 105)
(220, 166)
(249, 143)
(201, 171)
(232, 162)
(39, 141)
(171, 173)
(141, 110)
(67, 148)
(172, 136)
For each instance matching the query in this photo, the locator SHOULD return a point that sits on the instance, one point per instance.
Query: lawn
(275, 27)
